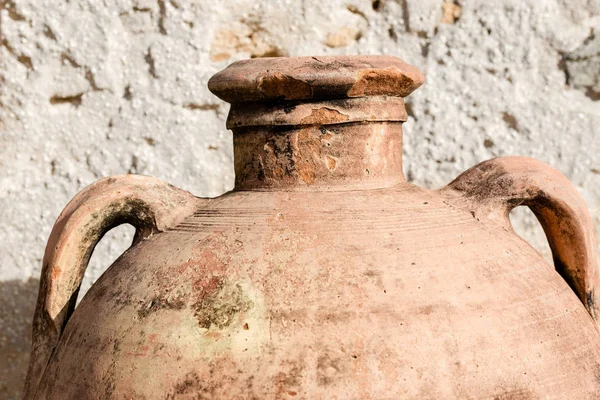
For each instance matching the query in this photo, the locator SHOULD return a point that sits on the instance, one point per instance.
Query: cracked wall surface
(93, 88)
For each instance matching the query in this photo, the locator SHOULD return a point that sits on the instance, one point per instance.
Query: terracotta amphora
(324, 274)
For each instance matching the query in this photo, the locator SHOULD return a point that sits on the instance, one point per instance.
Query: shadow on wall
(17, 303)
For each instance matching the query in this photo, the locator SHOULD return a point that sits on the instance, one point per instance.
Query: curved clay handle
(493, 188)
(148, 204)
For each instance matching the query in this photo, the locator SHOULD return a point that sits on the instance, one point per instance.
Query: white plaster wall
(90, 88)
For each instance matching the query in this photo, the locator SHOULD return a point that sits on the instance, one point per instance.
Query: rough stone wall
(92, 88)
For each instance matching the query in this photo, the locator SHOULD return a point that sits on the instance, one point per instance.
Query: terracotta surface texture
(324, 274)
(91, 89)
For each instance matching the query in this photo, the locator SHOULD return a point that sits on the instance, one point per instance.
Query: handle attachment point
(492, 189)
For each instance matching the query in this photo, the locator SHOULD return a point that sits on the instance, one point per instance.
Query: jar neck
(344, 156)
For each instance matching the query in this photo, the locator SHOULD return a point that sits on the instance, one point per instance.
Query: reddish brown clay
(323, 274)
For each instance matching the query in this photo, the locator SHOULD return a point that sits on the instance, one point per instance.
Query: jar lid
(314, 78)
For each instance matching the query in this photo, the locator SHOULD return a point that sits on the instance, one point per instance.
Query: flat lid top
(323, 77)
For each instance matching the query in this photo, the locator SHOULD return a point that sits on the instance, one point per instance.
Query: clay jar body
(324, 274)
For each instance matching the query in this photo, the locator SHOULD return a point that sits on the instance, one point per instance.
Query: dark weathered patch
(289, 380)
(220, 307)
(329, 369)
(589, 300)
(484, 181)
(191, 384)
(222, 379)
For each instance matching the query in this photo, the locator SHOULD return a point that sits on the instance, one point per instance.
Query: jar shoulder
(320, 289)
